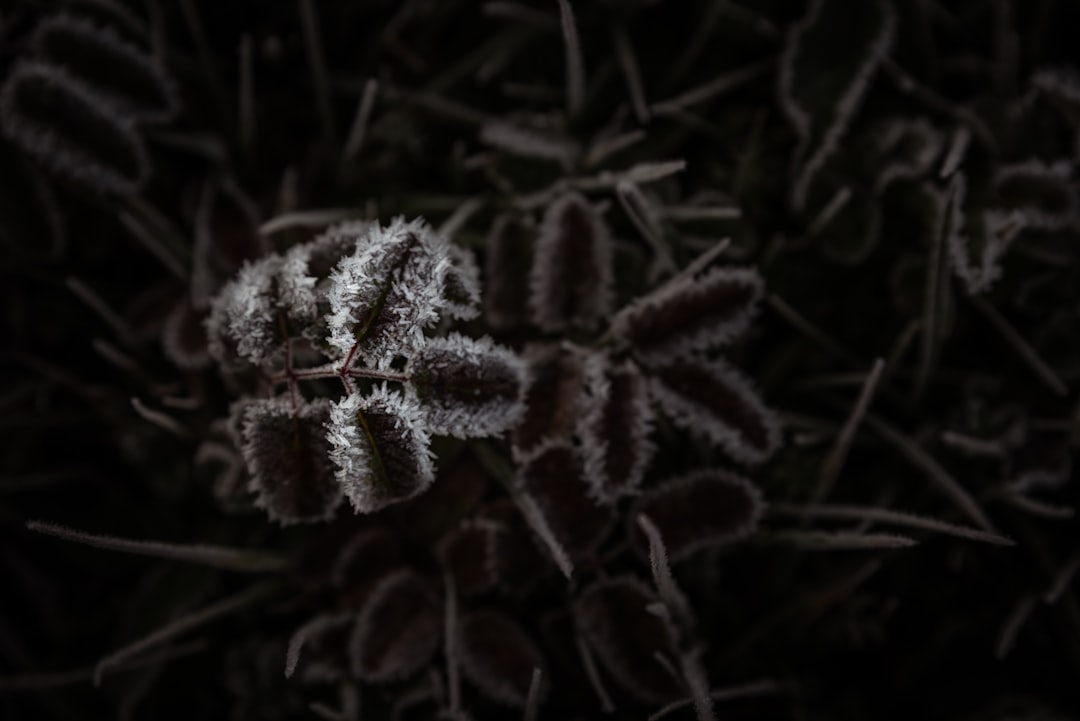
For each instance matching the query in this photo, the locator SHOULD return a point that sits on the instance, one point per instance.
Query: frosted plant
(365, 297)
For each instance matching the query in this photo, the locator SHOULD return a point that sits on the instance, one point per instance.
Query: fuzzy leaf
(830, 57)
(498, 657)
(397, 631)
(614, 423)
(554, 477)
(713, 400)
(129, 79)
(72, 131)
(697, 314)
(467, 387)
(613, 617)
(703, 509)
(380, 448)
(388, 292)
(570, 285)
(287, 456)
(509, 248)
(556, 374)
(243, 322)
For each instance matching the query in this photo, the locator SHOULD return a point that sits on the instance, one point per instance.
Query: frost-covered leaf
(556, 374)
(977, 239)
(570, 284)
(388, 292)
(128, 78)
(613, 617)
(498, 657)
(714, 401)
(467, 387)
(554, 476)
(397, 631)
(380, 447)
(461, 293)
(825, 69)
(70, 130)
(509, 253)
(695, 314)
(703, 509)
(305, 276)
(286, 452)
(243, 322)
(614, 423)
(1043, 192)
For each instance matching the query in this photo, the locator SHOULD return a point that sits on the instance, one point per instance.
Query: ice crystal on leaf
(380, 446)
(692, 315)
(243, 322)
(467, 387)
(614, 425)
(570, 284)
(714, 400)
(286, 454)
(384, 296)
